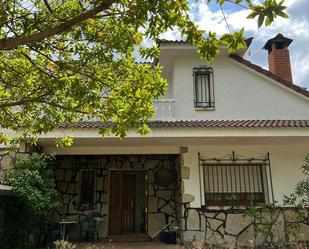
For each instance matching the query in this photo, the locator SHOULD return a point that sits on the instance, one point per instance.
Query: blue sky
(209, 17)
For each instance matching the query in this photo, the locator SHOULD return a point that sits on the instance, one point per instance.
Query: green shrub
(32, 181)
(300, 197)
(63, 244)
(34, 195)
(16, 223)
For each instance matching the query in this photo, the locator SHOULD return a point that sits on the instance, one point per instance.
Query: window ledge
(204, 108)
(232, 206)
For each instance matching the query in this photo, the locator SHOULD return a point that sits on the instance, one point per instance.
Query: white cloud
(209, 20)
(296, 27)
(171, 35)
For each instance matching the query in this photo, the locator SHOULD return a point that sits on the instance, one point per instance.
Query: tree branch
(54, 104)
(13, 42)
(21, 102)
(48, 6)
(40, 69)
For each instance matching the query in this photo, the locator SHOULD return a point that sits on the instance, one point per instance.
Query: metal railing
(236, 180)
(164, 109)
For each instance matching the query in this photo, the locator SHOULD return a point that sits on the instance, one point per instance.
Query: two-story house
(226, 135)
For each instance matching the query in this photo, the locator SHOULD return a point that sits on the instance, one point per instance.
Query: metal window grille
(203, 87)
(236, 181)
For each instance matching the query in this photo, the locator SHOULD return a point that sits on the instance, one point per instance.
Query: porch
(117, 197)
(200, 183)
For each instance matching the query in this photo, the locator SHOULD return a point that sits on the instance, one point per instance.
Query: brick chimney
(279, 56)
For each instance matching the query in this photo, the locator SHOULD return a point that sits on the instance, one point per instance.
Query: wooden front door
(128, 203)
(115, 205)
(121, 202)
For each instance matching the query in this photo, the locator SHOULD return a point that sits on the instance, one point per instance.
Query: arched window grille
(236, 180)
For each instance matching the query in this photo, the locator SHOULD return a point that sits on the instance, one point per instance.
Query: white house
(226, 135)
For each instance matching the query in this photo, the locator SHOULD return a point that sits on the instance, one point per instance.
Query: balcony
(164, 109)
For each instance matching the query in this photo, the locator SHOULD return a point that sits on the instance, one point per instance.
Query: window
(234, 181)
(86, 189)
(203, 87)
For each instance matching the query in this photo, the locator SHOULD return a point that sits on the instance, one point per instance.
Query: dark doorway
(127, 202)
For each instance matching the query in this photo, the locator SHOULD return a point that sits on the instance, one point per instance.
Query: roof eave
(179, 44)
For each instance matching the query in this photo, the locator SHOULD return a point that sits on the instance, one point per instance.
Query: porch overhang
(168, 136)
(183, 132)
(169, 141)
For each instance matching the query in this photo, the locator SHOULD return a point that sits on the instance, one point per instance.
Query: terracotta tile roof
(203, 124)
(171, 41)
(267, 73)
(248, 41)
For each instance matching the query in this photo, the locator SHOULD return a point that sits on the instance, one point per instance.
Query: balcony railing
(164, 109)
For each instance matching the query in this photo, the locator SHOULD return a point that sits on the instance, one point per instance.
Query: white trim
(172, 45)
(167, 46)
(202, 184)
(185, 132)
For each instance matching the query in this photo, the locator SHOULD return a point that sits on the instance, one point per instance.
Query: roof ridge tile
(241, 123)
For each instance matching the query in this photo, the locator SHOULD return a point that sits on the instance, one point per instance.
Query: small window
(203, 87)
(231, 182)
(86, 189)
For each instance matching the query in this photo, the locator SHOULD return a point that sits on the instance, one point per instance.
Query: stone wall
(7, 159)
(235, 226)
(244, 226)
(163, 204)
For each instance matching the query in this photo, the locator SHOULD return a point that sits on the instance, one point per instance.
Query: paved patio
(128, 245)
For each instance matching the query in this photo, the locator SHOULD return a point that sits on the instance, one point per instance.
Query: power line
(227, 25)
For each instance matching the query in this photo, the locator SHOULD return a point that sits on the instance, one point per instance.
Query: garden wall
(245, 226)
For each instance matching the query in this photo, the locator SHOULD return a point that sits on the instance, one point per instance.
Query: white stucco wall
(286, 155)
(285, 160)
(240, 93)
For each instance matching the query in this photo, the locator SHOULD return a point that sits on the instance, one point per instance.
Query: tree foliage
(32, 181)
(67, 61)
(34, 196)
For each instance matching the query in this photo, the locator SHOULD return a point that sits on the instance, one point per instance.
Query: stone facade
(239, 225)
(244, 226)
(163, 202)
(7, 159)
(229, 225)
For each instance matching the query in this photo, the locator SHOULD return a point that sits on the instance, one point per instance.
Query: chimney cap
(280, 40)
(248, 41)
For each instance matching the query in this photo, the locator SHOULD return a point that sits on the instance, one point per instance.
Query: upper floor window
(203, 81)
